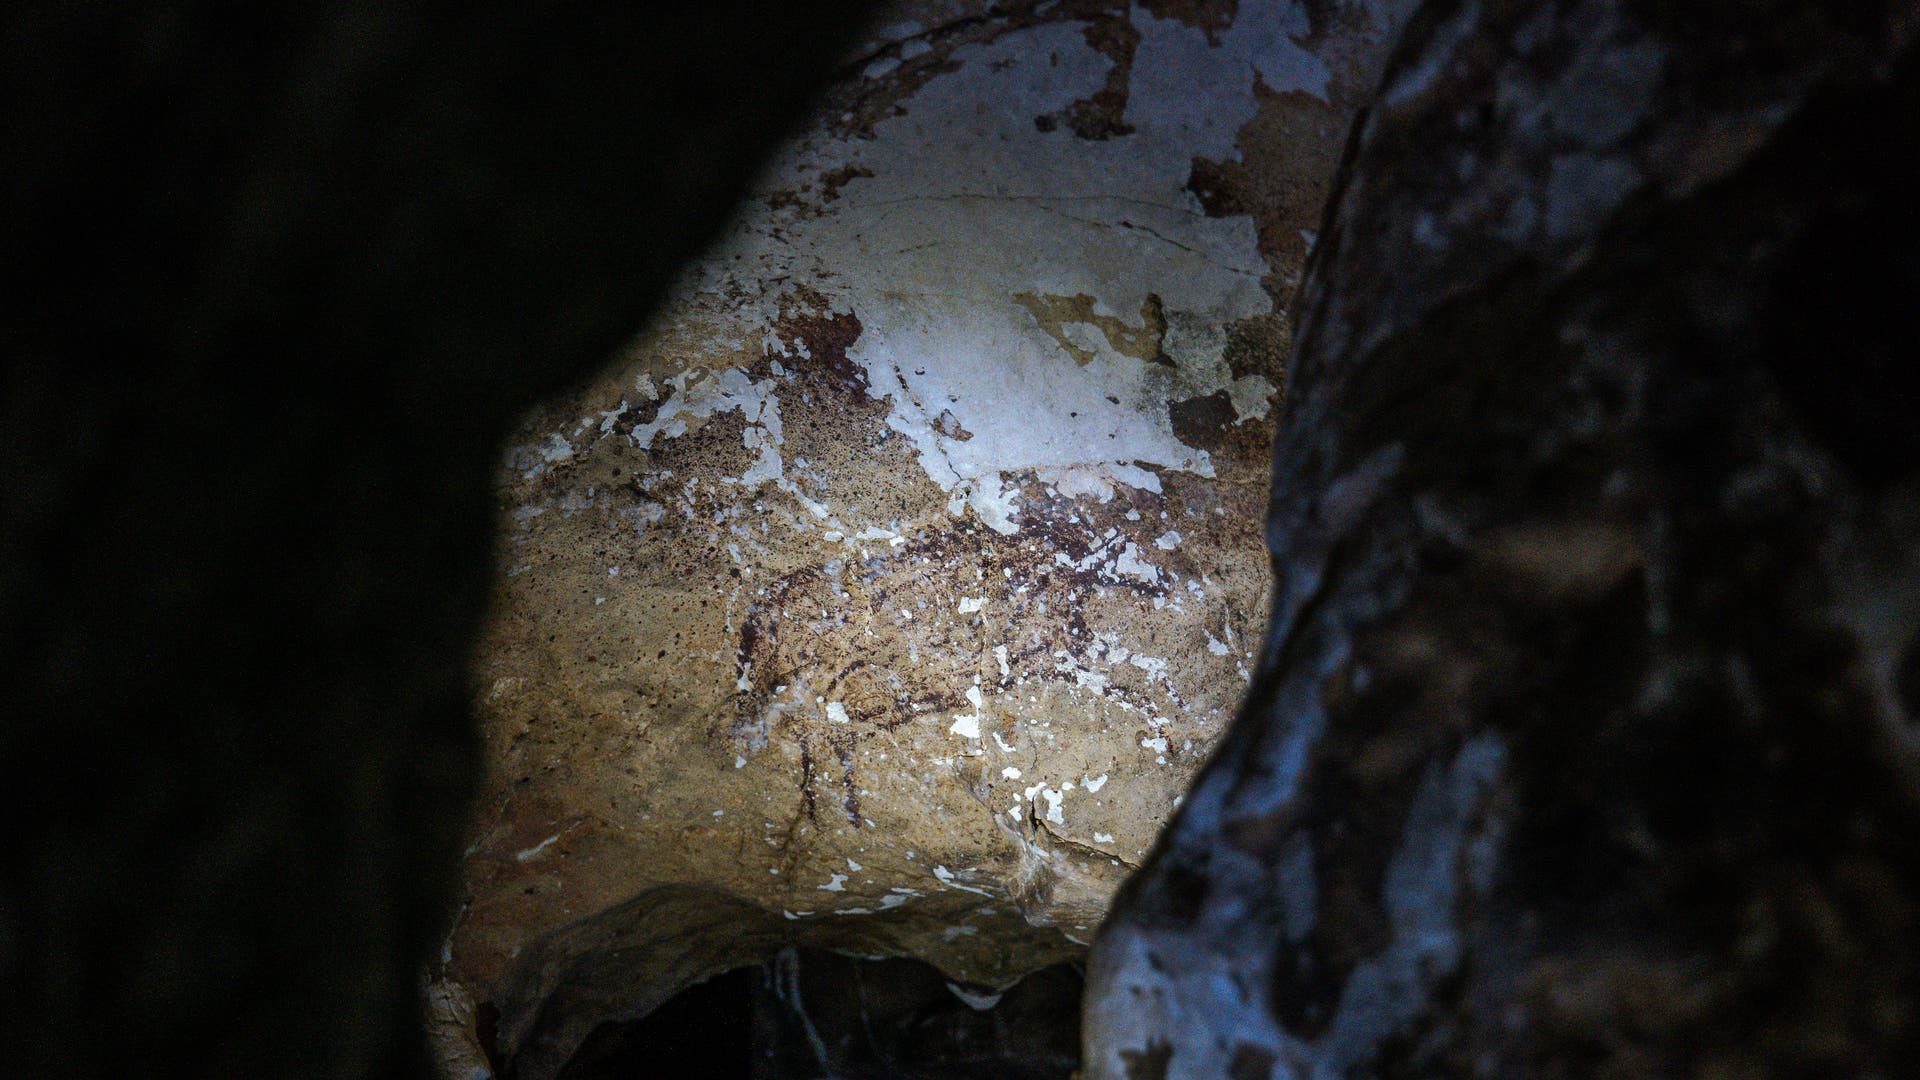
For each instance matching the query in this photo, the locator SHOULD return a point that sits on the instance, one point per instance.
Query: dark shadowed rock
(1583, 744)
(277, 282)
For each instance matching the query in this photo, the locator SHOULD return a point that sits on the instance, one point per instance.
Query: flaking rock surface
(887, 594)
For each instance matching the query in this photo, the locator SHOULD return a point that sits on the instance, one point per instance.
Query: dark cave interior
(817, 1014)
(1142, 541)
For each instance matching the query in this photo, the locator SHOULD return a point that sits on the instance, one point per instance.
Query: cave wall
(1581, 746)
(891, 586)
(1583, 742)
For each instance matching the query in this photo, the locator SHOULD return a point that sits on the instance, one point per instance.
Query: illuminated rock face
(890, 591)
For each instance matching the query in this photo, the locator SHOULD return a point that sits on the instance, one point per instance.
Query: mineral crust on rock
(887, 594)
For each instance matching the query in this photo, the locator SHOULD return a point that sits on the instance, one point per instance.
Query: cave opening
(812, 1013)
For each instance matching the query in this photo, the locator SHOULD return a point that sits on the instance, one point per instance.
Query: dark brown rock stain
(1102, 114)
(807, 319)
(1211, 16)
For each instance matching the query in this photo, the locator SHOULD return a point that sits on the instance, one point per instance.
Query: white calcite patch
(951, 880)
(535, 850)
(696, 395)
(961, 208)
(977, 1001)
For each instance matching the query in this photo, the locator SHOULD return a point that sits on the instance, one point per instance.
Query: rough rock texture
(278, 279)
(887, 595)
(1583, 742)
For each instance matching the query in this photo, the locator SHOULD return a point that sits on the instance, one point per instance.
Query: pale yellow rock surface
(897, 581)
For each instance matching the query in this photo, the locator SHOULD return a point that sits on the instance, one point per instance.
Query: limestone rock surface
(887, 594)
(1584, 744)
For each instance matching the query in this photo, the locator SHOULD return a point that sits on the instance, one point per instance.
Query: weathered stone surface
(1583, 743)
(894, 585)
